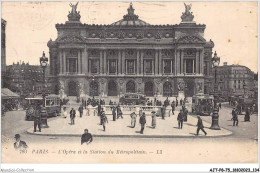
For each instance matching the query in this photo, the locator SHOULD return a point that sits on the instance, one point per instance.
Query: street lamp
(215, 116)
(44, 63)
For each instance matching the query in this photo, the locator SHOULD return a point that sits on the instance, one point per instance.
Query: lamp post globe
(215, 116)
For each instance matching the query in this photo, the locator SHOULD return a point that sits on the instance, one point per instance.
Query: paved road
(240, 147)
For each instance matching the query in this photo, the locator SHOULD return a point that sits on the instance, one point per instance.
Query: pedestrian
(173, 107)
(119, 112)
(64, 112)
(80, 111)
(72, 116)
(104, 120)
(19, 144)
(140, 111)
(233, 112)
(163, 111)
(114, 113)
(180, 119)
(133, 119)
(181, 102)
(142, 121)
(185, 114)
(101, 114)
(99, 109)
(247, 115)
(153, 119)
(219, 105)
(200, 126)
(37, 121)
(86, 137)
(177, 102)
(85, 104)
(235, 118)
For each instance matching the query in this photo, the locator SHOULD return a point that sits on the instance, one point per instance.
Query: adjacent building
(25, 79)
(130, 56)
(235, 80)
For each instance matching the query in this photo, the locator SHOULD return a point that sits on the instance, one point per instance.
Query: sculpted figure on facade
(187, 16)
(199, 87)
(180, 86)
(74, 8)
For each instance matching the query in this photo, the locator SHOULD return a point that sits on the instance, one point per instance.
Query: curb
(129, 136)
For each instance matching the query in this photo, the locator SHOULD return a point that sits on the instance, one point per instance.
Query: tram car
(51, 103)
(202, 104)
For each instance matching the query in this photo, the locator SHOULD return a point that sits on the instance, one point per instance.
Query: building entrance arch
(72, 88)
(148, 89)
(167, 89)
(112, 88)
(130, 87)
(93, 89)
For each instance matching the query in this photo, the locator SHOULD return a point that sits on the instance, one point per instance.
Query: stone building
(130, 56)
(235, 80)
(25, 79)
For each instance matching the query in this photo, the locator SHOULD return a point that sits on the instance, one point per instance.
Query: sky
(231, 25)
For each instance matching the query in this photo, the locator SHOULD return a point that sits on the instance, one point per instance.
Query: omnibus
(51, 103)
(202, 104)
(133, 99)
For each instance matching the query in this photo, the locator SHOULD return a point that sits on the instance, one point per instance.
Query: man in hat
(200, 126)
(142, 121)
(119, 112)
(19, 144)
(80, 111)
(114, 113)
(86, 137)
(173, 107)
(180, 119)
(72, 116)
(133, 119)
(104, 120)
(235, 118)
(233, 112)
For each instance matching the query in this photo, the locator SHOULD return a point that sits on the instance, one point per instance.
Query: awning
(7, 94)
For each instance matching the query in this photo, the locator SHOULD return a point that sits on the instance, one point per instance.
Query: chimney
(224, 63)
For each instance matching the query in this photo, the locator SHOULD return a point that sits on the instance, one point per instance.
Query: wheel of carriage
(55, 114)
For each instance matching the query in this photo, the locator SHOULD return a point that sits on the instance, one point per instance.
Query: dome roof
(130, 19)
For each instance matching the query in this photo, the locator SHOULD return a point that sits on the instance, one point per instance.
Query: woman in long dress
(153, 119)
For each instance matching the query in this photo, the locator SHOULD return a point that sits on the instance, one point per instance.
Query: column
(100, 63)
(142, 62)
(85, 61)
(201, 61)
(177, 65)
(175, 61)
(123, 62)
(64, 62)
(184, 66)
(156, 62)
(60, 58)
(160, 61)
(79, 63)
(67, 65)
(193, 66)
(197, 62)
(181, 66)
(105, 63)
(119, 62)
(138, 61)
